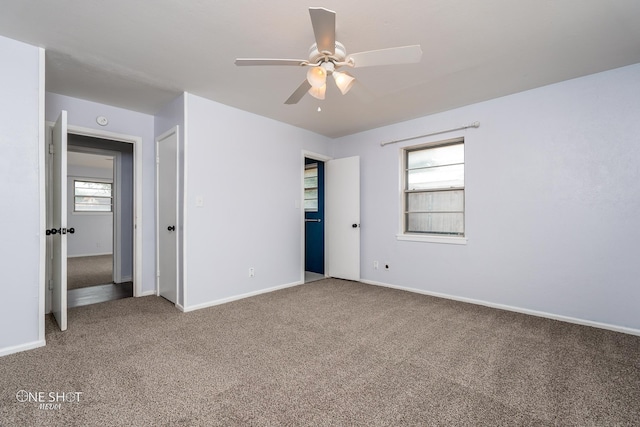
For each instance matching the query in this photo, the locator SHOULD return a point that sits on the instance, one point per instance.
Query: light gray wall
(552, 202)
(93, 231)
(249, 170)
(83, 113)
(20, 216)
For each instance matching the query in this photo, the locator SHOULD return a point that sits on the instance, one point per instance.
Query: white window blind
(434, 189)
(91, 196)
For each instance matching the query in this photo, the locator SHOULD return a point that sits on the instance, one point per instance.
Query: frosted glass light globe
(317, 76)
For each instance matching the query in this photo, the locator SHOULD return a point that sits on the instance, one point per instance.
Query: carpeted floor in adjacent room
(89, 271)
(329, 353)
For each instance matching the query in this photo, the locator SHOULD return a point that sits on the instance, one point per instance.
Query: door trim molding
(137, 193)
(43, 179)
(300, 205)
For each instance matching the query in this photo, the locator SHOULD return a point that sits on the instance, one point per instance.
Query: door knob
(354, 225)
(51, 231)
(171, 227)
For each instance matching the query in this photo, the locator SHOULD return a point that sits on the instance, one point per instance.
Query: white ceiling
(141, 54)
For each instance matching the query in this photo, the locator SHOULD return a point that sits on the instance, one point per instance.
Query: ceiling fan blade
(324, 28)
(267, 61)
(394, 55)
(297, 95)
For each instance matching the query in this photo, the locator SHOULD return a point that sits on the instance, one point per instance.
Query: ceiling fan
(327, 56)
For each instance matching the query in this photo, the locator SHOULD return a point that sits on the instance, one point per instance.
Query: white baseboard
(147, 293)
(23, 347)
(81, 255)
(237, 297)
(180, 307)
(583, 322)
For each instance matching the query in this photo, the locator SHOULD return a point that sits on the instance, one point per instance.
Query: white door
(342, 216)
(59, 221)
(167, 214)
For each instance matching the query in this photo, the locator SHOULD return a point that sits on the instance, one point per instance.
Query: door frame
(320, 158)
(137, 195)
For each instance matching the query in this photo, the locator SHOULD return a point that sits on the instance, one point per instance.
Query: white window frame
(99, 180)
(425, 237)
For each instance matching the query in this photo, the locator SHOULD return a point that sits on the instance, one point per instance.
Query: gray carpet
(89, 271)
(325, 354)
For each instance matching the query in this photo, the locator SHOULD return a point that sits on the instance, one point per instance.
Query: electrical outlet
(252, 272)
(375, 265)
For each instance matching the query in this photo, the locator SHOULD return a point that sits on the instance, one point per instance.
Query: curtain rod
(472, 125)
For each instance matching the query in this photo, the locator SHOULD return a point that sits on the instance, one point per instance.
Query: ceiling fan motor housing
(316, 56)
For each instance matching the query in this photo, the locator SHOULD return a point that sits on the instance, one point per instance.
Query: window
(311, 188)
(433, 196)
(92, 196)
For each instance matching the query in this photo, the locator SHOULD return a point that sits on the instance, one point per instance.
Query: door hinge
(157, 160)
(50, 284)
(51, 149)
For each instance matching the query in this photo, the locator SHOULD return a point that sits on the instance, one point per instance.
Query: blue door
(314, 216)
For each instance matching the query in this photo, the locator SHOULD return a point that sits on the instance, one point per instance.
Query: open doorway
(100, 210)
(335, 241)
(92, 252)
(99, 254)
(126, 210)
(314, 247)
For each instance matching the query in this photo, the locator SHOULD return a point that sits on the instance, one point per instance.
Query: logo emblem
(22, 396)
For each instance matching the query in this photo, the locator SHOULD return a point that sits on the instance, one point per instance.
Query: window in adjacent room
(433, 199)
(92, 196)
(311, 188)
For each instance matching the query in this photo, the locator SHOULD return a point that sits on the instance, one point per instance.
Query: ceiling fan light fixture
(327, 55)
(318, 92)
(344, 81)
(317, 76)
